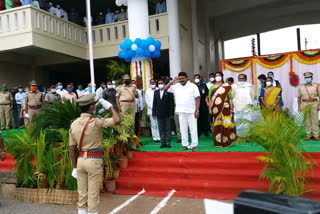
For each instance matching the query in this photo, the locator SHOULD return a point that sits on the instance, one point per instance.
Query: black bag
(254, 202)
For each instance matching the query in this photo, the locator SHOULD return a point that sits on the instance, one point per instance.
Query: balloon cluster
(121, 2)
(148, 48)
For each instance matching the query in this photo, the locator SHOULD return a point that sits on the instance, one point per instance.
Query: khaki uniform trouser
(312, 120)
(33, 114)
(128, 107)
(5, 116)
(89, 173)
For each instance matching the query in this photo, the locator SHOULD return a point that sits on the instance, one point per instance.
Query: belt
(34, 107)
(5, 104)
(310, 101)
(92, 153)
(127, 101)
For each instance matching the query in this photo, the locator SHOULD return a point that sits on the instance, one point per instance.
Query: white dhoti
(154, 129)
(187, 120)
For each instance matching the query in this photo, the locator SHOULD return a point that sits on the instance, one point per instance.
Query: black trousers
(165, 130)
(203, 122)
(137, 124)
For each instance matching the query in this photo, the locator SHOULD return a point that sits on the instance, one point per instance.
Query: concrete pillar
(195, 37)
(174, 38)
(138, 18)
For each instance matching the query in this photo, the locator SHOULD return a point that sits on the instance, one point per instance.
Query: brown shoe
(153, 141)
(307, 138)
(316, 138)
(178, 141)
(184, 148)
(194, 149)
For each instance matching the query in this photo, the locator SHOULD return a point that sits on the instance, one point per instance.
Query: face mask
(90, 89)
(20, 90)
(196, 80)
(212, 79)
(4, 89)
(33, 88)
(103, 86)
(161, 86)
(114, 86)
(241, 83)
(69, 89)
(127, 82)
(268, 83)
(80, 87)
(53, 90)
(134, 85)
(59, 87)
(44, 91)
(110, 86)
(153, 86)
(218, 78)
(308, 80)
(271, 76)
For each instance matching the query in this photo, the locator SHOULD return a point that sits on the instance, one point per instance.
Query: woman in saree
(270, 96)
(221, 108)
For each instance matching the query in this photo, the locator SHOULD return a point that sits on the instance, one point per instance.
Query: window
(309, 36)
(240, 47)
(279, 41)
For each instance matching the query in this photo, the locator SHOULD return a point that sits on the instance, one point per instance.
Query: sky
(274, 42)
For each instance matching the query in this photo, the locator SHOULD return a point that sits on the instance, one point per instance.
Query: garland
(238, 63)
(304, 59)
(273, 62)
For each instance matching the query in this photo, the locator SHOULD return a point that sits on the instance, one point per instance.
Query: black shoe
(163, 146)
(168, 146)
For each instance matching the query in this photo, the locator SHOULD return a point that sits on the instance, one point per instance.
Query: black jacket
(163, 108)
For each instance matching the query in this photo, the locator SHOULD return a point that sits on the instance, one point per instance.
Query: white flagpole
(89, 27)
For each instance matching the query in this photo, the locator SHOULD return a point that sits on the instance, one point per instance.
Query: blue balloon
(144, 44)
(128, 42)
(121, 54)
(131, 53)
(146, 53)
(139, 52)
(157, 44)
(138, 42)
(123, 46)
(128, 59)
(150, 40)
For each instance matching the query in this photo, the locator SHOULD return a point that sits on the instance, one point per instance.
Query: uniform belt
(310, 101)
(34, 107)
(93, 153)
(4, 104)
(127, 101)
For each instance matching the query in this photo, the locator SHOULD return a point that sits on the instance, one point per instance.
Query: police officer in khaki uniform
(6, 104)
(33, 101)
(52, 96)
(85, 135)
(308, 93)
(126, 96)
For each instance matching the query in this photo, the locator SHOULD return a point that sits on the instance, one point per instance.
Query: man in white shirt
(187, 99)
(60, 89)
(52, 9)
(211, 81)
(139, 109)
(19, 97)
(149, 101)
(242, 99)
(100, 90)
(59, 12)
(80, 91)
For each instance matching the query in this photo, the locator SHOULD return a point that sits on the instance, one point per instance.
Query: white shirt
(139, 101)
(149, 99)
(61, 92)
(52, 10)
(242, 97)
(99, 93)
(59, 12)
(209, 84)
(80, 93)
(185, 97)
(161, 93)
(36, 4)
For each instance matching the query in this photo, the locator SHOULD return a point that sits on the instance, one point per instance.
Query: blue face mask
(69, 89)
(271, 76)
(45, 91)
(90, 89)
(308, 80)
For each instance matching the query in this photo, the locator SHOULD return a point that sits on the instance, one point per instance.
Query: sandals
(194, 149)
(184, 148)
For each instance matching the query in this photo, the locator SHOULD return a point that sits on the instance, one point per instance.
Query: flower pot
(110, 185)
(116, 173)
(129, 155)
(124, 163)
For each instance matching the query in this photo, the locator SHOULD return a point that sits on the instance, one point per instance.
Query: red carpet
(8, 165)
(215, 175)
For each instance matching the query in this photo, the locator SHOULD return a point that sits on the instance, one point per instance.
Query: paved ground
(142, 205)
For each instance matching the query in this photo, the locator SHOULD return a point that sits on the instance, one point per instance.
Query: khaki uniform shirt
(34, 99)
(51, 98)
(126, 93)
(5, 98)
(308, 91)
(93, 135)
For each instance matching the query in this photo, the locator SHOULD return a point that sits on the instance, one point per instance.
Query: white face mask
(161, 86)
(218, 78)
(134, 85)
(212, 79)
(196, 80)
(268, 83)
(114, 86)
(53, 90)
(242, 83)
(153, 86)
(110, 86)
(20, 90)
(60, 87)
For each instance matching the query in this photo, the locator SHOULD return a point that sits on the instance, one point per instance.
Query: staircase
(215, 175)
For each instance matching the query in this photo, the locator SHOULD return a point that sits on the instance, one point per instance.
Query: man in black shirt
(110, 93)
(203, 120)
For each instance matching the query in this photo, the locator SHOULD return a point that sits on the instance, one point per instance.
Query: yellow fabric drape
(270, 95)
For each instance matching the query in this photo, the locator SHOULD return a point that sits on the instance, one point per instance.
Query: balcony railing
(45, 30)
